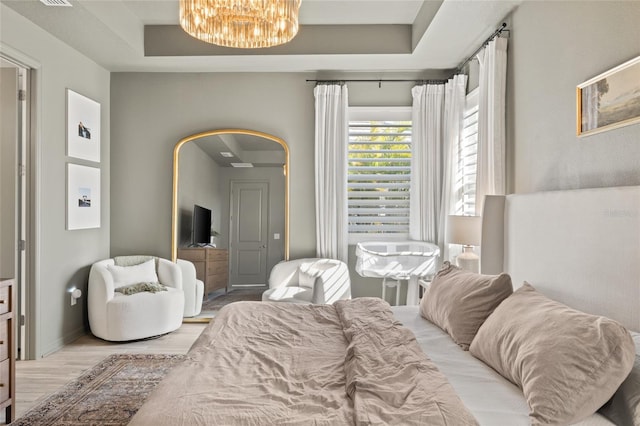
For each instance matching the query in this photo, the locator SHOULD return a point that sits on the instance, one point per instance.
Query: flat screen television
(201, 226)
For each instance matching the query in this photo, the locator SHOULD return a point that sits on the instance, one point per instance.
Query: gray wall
(152, 111)
(63, 257)
(555, 46)
(197, 184)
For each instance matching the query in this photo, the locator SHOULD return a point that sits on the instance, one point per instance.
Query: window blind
(379, 174)
(467, 159)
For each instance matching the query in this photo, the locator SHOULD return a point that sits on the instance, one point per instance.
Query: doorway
(15, 192)
(249, 242)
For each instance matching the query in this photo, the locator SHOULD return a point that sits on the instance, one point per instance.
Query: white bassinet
(395, 261)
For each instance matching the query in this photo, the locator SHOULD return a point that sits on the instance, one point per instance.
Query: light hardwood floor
(35, 380)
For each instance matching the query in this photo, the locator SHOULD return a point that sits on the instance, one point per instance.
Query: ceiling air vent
(56, 2)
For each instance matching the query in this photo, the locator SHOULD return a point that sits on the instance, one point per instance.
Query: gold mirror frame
(176, 178)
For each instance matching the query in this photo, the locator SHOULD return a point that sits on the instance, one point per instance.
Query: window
(465, 186)
(379, 171)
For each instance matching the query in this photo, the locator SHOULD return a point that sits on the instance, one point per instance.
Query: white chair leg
(384, 288)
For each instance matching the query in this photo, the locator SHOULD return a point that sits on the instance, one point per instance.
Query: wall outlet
(276, 236)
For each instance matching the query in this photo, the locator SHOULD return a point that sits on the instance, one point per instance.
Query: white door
(249, 233)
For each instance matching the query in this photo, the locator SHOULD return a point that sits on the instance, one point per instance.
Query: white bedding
(488, 396)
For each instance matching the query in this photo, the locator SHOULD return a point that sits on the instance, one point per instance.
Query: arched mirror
(230, 208)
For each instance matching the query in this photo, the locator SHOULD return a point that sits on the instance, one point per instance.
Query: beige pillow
(459, 301)
(568, 363)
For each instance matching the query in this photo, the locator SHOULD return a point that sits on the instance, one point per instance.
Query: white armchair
(117, 317)
(310, 280)
(193, 289)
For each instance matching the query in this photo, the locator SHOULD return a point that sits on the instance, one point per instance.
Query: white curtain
(454, 105)
(426, 162)
(491, 121)
(331, 150)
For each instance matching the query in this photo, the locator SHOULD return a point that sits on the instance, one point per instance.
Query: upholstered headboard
(580, 247)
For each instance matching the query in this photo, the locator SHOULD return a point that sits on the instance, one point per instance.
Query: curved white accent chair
(117, 317)
(309, 280)
(193, 289)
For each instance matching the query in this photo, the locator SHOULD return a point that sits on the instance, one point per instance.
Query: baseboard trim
(64, 340)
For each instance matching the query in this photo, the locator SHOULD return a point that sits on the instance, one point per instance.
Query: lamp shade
(465, 230)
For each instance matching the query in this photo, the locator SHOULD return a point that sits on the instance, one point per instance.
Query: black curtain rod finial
(495, 34)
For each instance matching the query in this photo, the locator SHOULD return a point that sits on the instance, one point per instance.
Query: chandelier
(241, 23)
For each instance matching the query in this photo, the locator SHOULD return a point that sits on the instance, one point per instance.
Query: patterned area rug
(108, 394)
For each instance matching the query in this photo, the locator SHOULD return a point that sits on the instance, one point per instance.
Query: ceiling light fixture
(241, 165)
(226, 154)
(244, 24)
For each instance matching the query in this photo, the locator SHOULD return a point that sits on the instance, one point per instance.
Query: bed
(362, 362)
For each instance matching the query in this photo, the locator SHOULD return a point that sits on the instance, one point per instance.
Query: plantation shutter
(379, 174)
(467, 158)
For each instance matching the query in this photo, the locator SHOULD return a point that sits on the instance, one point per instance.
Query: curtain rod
(379, 81)
(495, 34)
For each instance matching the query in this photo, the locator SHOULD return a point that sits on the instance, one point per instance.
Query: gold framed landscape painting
(609, 100)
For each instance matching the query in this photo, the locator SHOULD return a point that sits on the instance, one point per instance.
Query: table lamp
(465, 230)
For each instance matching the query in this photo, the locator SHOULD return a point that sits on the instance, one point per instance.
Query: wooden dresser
(7, 349)
(212, 266)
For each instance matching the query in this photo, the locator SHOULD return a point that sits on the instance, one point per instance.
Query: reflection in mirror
(231, 206)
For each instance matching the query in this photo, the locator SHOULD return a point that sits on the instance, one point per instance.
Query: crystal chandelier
(241, 23)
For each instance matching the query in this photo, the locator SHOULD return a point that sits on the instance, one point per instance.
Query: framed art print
(83, 127)
(609, 100)
(83, 197)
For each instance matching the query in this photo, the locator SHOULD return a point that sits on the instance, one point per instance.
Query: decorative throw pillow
(568, 363)
(459, 301)
(127, 275)
(151, 287)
